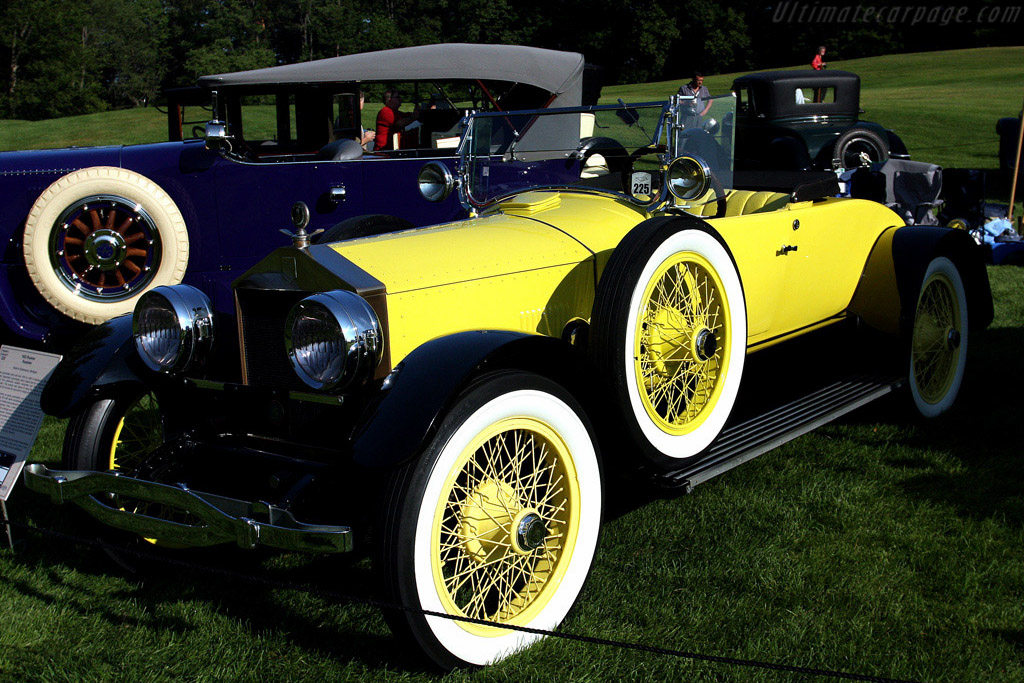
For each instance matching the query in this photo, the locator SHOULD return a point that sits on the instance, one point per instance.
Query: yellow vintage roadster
(460, 389)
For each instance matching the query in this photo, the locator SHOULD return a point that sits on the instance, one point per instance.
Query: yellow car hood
(464, 251)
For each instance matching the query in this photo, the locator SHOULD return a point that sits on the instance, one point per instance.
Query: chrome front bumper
(219, 519)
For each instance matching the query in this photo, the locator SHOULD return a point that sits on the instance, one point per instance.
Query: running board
(762, 433)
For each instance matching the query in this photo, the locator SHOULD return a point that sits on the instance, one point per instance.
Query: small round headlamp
(688, 178)
(436, 181)
(173, 328)
(333, 339)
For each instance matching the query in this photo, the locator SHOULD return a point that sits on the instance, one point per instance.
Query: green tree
(232, 36)
(628, 38)
(131, 49)
(51, 70)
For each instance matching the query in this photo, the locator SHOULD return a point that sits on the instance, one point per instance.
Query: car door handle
(336, 195)
(786, 248)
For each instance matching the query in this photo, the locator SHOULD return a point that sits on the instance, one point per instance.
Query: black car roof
(799, 76)
(774, 92)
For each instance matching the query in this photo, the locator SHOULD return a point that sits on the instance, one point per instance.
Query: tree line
(61, 59)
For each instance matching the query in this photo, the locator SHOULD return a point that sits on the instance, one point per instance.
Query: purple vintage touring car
(88, 230)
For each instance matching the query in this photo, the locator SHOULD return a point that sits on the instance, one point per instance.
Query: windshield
(605, 145)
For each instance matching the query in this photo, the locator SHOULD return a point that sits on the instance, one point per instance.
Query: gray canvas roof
(560, 73)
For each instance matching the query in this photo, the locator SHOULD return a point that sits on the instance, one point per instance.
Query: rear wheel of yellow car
(97, 238)
(669, 327)
(938, 345)
(498, 521)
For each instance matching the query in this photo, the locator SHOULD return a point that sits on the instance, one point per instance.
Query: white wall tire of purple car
(98, 238)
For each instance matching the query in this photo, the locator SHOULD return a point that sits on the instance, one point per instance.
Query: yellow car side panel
(817, 280)
(877, 299)
(535, 267)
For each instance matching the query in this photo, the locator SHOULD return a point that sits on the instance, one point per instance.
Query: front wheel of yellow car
(118, 434)
(938, 345)
(670, 329)
(496, 522)
(113, 434)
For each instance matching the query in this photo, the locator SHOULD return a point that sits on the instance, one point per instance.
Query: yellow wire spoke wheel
(682, 342)
(936, 338)
(669, 331)
(496, 522)
(507, 520)
(939, 339)
(137, 434)
(118, 434)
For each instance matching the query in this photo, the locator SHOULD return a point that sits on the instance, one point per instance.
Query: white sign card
(22, 375)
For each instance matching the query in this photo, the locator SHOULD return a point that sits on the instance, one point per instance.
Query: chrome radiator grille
(262, 315)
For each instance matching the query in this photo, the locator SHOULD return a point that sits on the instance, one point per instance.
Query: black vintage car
(807, 120)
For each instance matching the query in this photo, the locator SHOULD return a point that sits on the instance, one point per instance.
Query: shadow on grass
(101, 581)
(984, 433)
(1014, 638)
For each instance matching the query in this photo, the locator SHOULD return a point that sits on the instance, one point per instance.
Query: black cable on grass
(344, 597)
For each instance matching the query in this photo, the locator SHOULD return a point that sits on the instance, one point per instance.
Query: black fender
(103, 361)
(915, 247)
(886, 298)
(400, 422)
(897, 148)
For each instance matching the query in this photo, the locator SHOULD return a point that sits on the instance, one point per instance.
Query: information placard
(23, 373)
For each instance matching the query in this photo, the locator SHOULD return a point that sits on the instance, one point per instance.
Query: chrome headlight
(173, 328)
(688, 178)
(436, 181)
(333, 339)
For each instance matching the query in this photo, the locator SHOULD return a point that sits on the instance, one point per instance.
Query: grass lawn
(877, 545)
(943, 104)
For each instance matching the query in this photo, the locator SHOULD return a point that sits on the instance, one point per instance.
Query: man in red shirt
(391, 120)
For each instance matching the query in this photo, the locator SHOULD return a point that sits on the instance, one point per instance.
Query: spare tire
(854, 145)
(97, 238)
